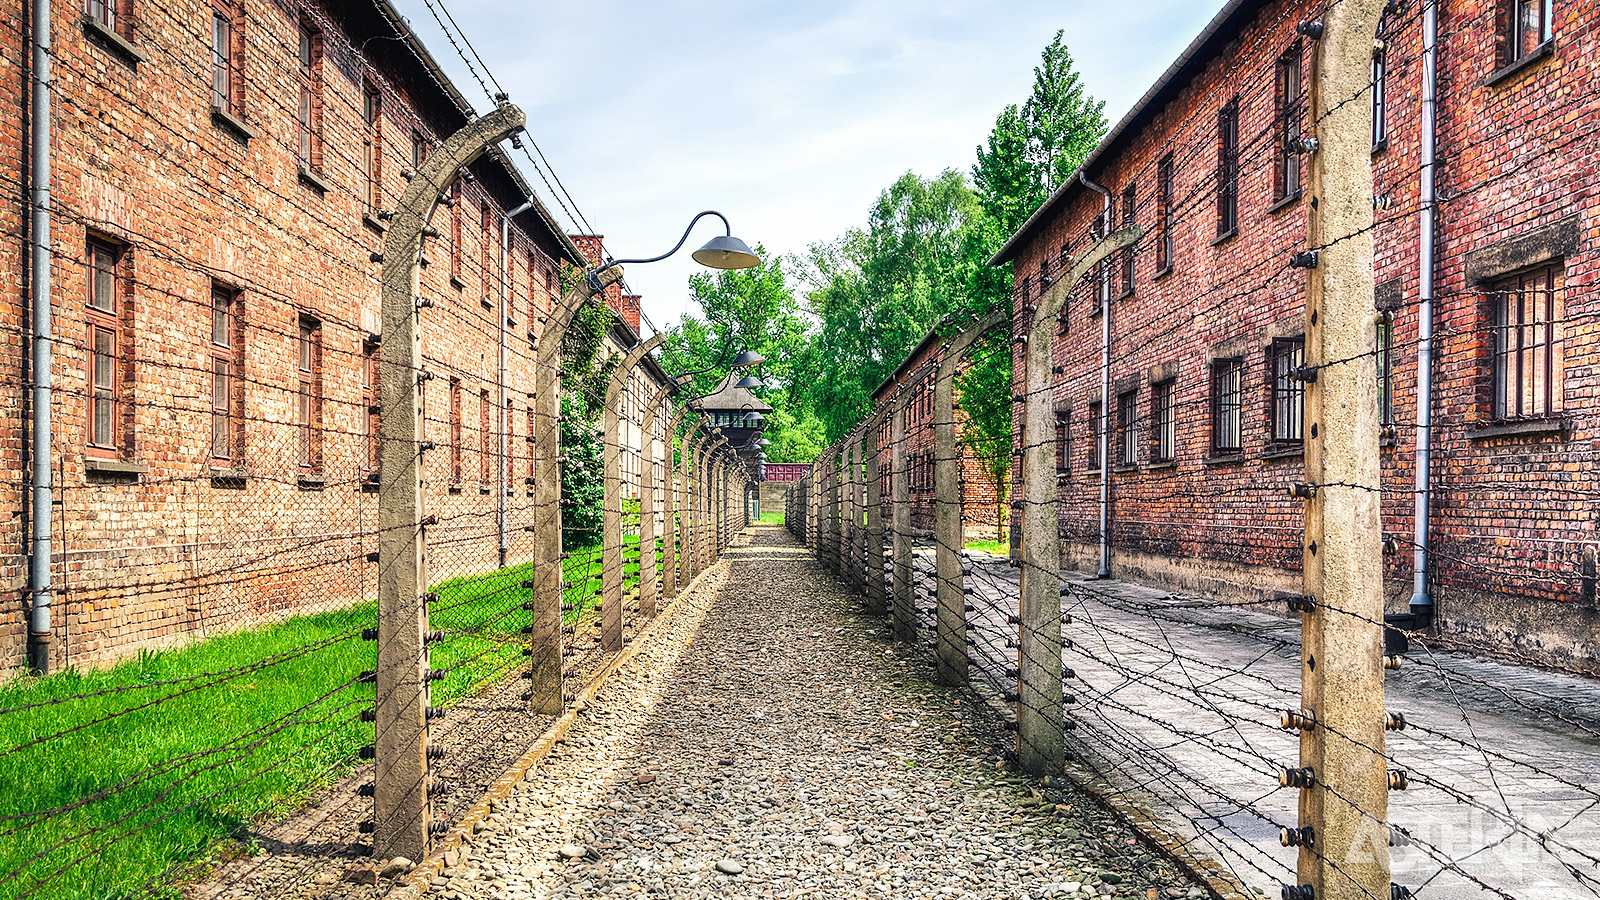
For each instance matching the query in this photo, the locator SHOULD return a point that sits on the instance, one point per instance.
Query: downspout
(1421, 601)
(39, 586)
(1105, 384)
(505, 414)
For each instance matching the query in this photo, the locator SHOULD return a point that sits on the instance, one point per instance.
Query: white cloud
(789, 117)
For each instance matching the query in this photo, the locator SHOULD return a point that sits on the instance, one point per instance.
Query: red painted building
(1206, 317)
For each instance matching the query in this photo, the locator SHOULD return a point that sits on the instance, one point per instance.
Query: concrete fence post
(950, 648)
(402, 814)
(1041, 716)
(1346, 853)
(652, 492)
(674, 506)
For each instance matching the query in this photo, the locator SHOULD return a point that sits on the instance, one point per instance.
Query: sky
(788, 117)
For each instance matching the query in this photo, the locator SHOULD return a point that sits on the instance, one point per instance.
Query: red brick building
(981, 515)
(1206, 318)
(221, 175)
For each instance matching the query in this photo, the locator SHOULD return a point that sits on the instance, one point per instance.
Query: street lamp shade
(726, 252)
(749, 381)
(748, 358)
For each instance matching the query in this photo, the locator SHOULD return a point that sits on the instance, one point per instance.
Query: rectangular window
(1128, 428)
(1288, 392)
(102, 11)
(1380, 84)
(1527, 346)
(1385, 360)
(372, 147)
(1228, 168)
(1227, 406)
(419, 150)
(226, 49)
(485, 433)
(104, 315)
(1096, 434)
(1062, 451)
(1530, 26)
(510, 463)
(227, 387)
(1130, 195)
(1164, 421)
(308, 401)
(1286, 170)
(485, 254)
(455, 431)
(1164, 241)
(309, 113)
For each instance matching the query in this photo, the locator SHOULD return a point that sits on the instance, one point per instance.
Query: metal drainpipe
(505, 415)
(1421, 601)
(1105, 384)
(39, 586)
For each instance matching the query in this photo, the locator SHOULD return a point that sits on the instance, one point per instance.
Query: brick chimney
(630, 311)
(593, 248)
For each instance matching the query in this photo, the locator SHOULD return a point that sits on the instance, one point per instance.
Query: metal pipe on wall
(39, 583)
(1421, 600)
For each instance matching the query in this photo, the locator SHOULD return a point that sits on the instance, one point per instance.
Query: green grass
(1000, 548)
(180, 763)
(771, 518)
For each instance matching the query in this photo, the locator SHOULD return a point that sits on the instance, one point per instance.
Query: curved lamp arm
(727, 229)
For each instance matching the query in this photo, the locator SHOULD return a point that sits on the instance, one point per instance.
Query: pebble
(573, 851)
(729, 867)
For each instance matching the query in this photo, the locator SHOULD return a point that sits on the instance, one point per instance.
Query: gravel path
(773, 744)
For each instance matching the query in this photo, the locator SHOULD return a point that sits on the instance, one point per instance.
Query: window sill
(1506, 72)
(1124, 468)
(1284, 453)
(312, 180)
(1126, 294)
(457, 283)
(1525, 428)
(1225, 237)
(232, 123)
(229, 476)
(369, 483)
(114, 42)
(1162, 464)
(487, 303)
(1381, 146)
(1225, 459)
(311, 482)
(371, 221)
(113, 469)
(423, 261)
(1284, 203)
(454, 489)
(483, 491)
(1162, 272)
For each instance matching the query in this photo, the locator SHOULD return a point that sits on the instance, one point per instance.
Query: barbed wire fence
(1179, 710)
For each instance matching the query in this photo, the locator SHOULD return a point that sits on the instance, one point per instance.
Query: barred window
(1130, 196)
(1164, 239)
(371, 396)
(1286, 170)
(227, 385)
(308, 402)
(1228, 168)
(309, 116)
(1529, 25)
(104, 318)
(1385, 360)
(372, 147)
(1096, 437)
(226, 51)
(1164, 421)
(1227, 406)
(1527, 345)
(1288, 392)
(1380, 84)
(455, 431)
(1128, 428)
(1062, 454)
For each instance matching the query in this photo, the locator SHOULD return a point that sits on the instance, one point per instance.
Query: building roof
(728, 397)
(1224, 27)
(425, 59)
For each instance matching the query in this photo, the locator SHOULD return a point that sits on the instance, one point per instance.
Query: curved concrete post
(402, 811)
(545, 695)
(950, 648)
(652, 495)
(1040, 711)
(689, 548)
(612, 565)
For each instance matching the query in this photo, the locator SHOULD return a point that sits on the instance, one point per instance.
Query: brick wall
(1513, 517)
(167, 542)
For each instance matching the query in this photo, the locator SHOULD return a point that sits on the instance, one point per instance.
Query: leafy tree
(586, 374)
